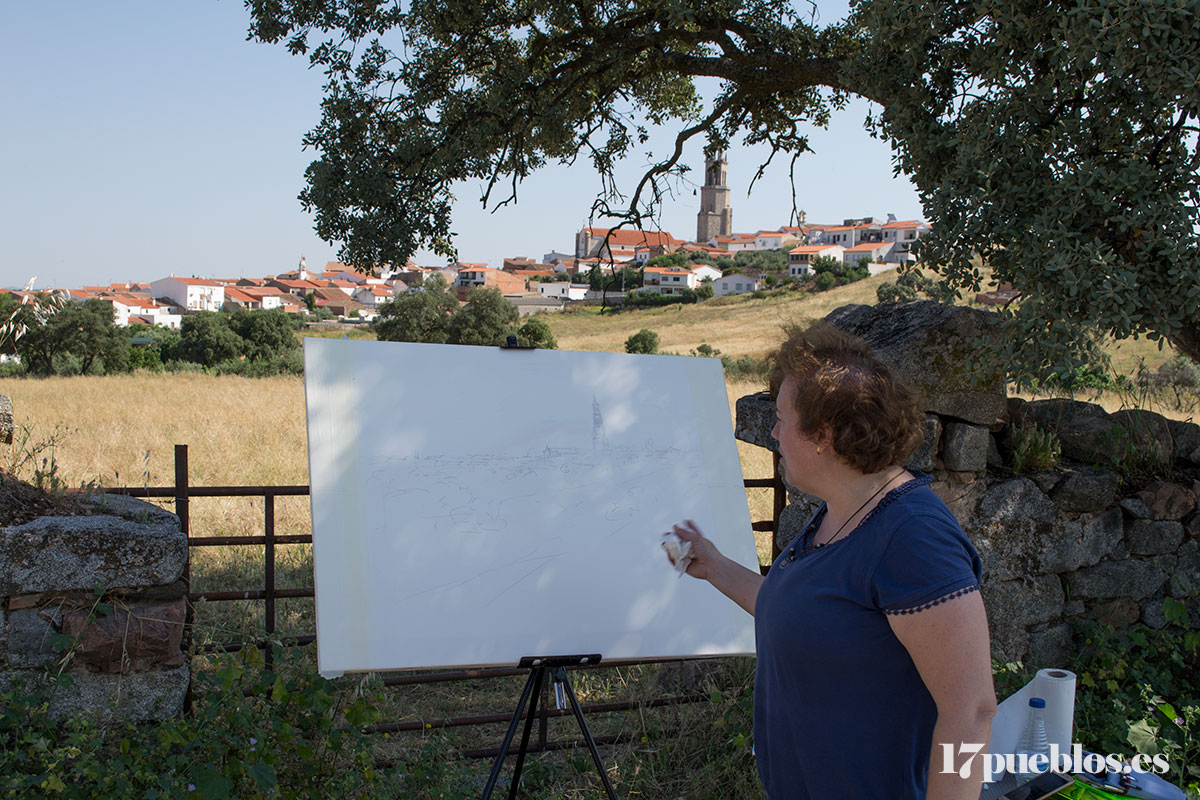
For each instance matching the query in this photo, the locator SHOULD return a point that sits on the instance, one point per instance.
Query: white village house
(192, 294)
(734, 283)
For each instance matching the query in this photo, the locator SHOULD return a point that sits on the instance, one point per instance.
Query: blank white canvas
(474, 505)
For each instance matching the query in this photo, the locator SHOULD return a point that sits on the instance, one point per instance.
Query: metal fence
(182, 493)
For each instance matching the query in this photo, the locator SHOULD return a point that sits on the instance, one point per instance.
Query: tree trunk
(1187, 341)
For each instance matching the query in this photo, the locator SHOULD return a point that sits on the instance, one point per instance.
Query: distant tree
(911, 285)
(536, 333)
(832, 272)
(644, 341)
(206, 338)
(265, 334)
(419, 315)
(486, 319)
(310, 302)
(669, 260)
(595, 278)
(761, 260)
(9, 306)
(705, 292)
(47, 329)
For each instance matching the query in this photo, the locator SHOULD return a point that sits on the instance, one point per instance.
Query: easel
(538, 667)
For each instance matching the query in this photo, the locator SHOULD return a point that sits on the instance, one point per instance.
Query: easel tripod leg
(512, 730)
(533, 704)
(560, 675)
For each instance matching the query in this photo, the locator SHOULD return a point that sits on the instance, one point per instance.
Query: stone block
(1083, 490)
(928, 343)
(1021, 603)
(1050, 646)
(1086, 431)
(138, 696)
(81, 553)
(794, 517)
(924, 456)
(754, 419)
(1168, 501)
(1015, 500)
(1184, 580)
(1129, 578)
(1150, 537)
(1135, 507)
(960, 496)
(1149, 434)
(994, 459)
(1185, 436)
(1119, 613)
(965, 447)
(133, 637)
(1152, 614)
(1046, 479)
(29, 636)
(1080, 543)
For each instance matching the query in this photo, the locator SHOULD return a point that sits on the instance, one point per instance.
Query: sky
(144, 138)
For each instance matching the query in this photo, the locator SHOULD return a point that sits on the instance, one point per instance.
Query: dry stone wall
(1077, 542)
(112, 582)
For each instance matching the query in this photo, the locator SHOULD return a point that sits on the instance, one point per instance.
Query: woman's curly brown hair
(874, 417)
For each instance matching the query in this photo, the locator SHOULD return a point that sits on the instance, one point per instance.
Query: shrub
(746, 368)
(644, 341)
(1034, 448)
(254, 734)
(536, 333)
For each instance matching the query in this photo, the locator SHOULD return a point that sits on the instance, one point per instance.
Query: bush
(536, 333)
(644, 341)
(746, 368)
(645, 299)
(1034, 448)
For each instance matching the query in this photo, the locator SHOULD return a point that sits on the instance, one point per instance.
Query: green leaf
(212, 786)
(1144, 737)
(264, 775)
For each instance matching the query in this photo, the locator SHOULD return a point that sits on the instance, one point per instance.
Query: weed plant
(1034, 448)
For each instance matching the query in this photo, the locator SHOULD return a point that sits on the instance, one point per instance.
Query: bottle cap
(1037, 702)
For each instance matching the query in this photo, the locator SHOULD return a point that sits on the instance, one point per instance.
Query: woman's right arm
(732, 579)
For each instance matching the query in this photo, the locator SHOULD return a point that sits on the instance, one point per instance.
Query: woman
(873, 649)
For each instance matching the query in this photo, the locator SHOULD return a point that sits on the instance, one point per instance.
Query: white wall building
(800, 258)
(193, 294)
(705, 272)
(668, 280)
(735, 283)
(564, 290)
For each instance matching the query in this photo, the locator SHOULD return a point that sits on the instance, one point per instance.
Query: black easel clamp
(538, 667)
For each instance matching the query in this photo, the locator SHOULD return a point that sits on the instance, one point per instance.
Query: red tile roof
(631, 237)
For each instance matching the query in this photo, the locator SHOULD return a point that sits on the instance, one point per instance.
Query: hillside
(736, 325)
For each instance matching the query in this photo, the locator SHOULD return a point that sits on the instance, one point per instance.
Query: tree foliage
(207, 339)
(536, 333)
(419, 315)
(265, 333)
(644, 341)
(1055, 143)
(486, 319)
(49, 333)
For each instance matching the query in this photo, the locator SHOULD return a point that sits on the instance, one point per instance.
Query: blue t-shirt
(840, 711)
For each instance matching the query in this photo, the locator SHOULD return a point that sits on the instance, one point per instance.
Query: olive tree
(1055, 143)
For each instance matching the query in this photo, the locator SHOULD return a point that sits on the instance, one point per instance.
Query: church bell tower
(715, 217)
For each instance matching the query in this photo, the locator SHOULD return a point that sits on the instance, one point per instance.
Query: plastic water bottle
(1033, 740)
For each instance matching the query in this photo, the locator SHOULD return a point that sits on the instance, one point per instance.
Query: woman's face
(799, 453)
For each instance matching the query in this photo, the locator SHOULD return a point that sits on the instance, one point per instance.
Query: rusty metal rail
(182, 493)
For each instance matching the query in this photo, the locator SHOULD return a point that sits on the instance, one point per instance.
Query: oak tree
(1054, 142)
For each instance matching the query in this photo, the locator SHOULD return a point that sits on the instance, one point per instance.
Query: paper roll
(1057, 688)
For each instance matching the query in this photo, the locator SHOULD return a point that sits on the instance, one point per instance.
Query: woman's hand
(732, 579)
(705, 554)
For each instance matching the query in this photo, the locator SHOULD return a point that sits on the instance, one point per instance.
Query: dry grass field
(735, 325)
(121, 431)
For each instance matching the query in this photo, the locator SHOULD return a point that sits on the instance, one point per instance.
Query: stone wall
(1057, 545)
(113, 582)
